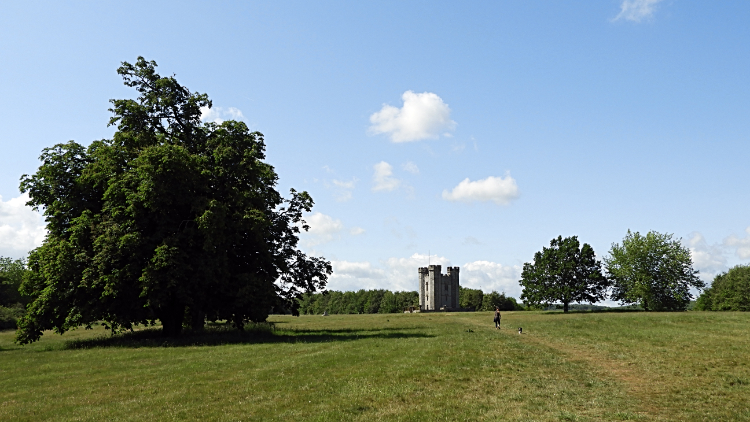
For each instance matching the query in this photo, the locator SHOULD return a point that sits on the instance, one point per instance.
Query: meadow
(431, 366)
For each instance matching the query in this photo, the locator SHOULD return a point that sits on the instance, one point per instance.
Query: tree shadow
(359, 330)
(217, 336)
(593, 311)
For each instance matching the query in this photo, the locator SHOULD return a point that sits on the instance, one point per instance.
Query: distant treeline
(386, 302)
(476, 300)
(359, 302)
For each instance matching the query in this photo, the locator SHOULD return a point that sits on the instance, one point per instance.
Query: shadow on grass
(592, 311)
(215, 336)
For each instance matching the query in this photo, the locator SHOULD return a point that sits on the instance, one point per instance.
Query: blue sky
(472, 131)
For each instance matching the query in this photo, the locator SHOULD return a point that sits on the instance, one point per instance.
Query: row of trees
(359, 302)
(730, 291)
(385, 301)
(476, 300)
(653, 271)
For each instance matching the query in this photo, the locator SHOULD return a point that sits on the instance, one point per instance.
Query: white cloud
(400, 274)
(708, 259)
(219, 114)
(395, 274)
(21, 228)
(323, 229)
(501, 190)
(423, 116)
(410, 167)
(344, 189)
(741, 245)
(490, 276)
(471, 240)
(383, 178)
(636, 10)
(321, 224)
(352, 276)
(345, 185)
(343, 195)
(356, 270)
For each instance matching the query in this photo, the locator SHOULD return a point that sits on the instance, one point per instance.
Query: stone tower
(438, 291)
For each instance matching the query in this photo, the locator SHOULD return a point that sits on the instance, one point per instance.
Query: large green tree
(730, 291)
(565, 272)
(653, 271)
(172, 220)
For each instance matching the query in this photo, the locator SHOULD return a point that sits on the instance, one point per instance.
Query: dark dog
(520, 330)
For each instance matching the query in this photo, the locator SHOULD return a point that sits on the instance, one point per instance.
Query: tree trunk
(197, 320)
(565, 307)
(171, 320)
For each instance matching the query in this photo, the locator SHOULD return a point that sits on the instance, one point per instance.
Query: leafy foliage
(171, 219)
(9, 316)
(730, 291)
(385, 301)
(11, 276)
(653, 271)
(493, 300)
(11, 302)
(359, 302)
(470, 298)
(565, 272)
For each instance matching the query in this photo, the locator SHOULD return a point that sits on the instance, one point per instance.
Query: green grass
(575, 367)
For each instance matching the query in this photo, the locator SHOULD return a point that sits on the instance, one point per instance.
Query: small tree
(653, 271)
(730, 291)
(565, 272)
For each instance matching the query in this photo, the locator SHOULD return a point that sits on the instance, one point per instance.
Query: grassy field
(455, 366)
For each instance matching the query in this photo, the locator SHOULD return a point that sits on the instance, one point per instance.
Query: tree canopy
(730, 291)
(11, 276)
(172, 219)
(653, 271)
(359, 302)
(493, 300)
(470, 298)
(565, 272)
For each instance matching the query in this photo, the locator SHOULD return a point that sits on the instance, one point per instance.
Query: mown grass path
(600, 366)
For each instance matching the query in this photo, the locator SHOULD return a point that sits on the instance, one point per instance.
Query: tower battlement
(436, 290)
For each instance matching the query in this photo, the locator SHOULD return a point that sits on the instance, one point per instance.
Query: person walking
(497, 317)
